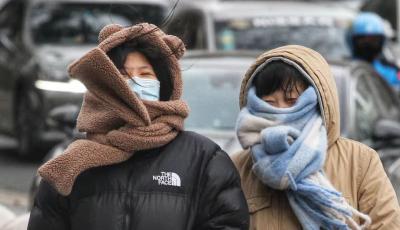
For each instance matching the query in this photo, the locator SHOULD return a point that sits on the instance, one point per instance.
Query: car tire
(28, 123)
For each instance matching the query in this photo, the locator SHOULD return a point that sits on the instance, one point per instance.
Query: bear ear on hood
(175, 44)
(109, 30)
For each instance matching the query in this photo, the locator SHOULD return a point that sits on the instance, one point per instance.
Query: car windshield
(80, 23)
(323, 34)
(212, 95)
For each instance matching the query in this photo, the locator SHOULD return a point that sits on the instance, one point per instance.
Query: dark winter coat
(189, 183)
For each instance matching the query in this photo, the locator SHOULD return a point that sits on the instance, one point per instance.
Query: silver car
(263, 25)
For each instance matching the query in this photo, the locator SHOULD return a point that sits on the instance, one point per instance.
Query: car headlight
(71, 86)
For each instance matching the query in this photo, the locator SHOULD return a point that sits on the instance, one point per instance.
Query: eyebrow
(140, 67)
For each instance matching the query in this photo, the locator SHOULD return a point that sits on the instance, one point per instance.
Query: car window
(212, 95)
(366, 112)
(189, 26)
(324, 34)
(80, 23)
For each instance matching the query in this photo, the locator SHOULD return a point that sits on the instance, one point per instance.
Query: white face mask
(146, 89)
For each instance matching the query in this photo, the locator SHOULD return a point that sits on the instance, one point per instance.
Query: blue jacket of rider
(388, 71)
(370, 24)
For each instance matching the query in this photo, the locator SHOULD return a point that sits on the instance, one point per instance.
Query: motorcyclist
(367, 40)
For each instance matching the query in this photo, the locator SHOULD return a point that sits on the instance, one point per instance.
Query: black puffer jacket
(188, 184)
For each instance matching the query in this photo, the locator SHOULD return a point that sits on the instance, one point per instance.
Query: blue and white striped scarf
(289, 147)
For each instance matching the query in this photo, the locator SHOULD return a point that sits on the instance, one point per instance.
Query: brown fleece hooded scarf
(117, 122)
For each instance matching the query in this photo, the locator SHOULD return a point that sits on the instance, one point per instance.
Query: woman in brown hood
(296, 170)
(137, 169)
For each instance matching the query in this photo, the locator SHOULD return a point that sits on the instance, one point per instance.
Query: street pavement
(15, 177)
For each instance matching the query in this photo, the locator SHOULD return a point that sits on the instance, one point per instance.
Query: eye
(291, 101)
(270, 101)
(146, 74)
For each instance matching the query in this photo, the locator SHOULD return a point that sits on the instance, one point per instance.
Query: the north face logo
(168, 178)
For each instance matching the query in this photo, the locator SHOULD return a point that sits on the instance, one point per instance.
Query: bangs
(278, 75)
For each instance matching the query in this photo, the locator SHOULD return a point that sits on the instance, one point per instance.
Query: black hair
(278, 75)
(119, 54)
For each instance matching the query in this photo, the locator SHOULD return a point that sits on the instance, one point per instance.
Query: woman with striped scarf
(296, 170)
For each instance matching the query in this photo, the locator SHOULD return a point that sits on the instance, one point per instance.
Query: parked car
(368, 106)
(38, 39)
(263, 25)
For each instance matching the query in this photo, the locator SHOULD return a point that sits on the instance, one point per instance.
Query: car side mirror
(387, 129)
